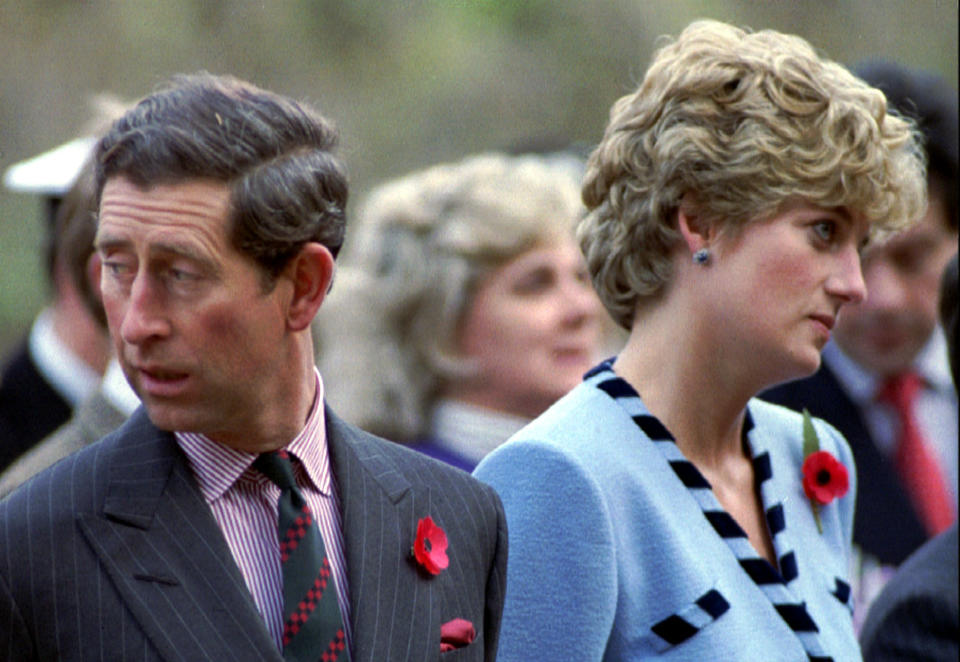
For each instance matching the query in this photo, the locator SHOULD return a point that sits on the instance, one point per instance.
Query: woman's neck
(689, 383)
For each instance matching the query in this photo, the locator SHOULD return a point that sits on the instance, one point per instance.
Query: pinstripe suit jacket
(112, 554)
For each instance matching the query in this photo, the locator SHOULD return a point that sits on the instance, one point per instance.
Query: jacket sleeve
(561, 573)
(496, 587)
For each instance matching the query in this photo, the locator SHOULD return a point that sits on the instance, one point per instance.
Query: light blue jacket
(607, 543)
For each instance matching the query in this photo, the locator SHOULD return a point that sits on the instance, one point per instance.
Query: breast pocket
(687, 622)
(841, 590)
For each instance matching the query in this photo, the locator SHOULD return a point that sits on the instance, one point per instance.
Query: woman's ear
(697, 232)
(311, 273)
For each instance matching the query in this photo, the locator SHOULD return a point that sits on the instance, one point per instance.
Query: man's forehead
(193, 208)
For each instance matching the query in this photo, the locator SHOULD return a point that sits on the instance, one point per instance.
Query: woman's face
(532, 330)
(777, 288)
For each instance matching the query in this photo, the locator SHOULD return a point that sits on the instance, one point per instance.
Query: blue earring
(701, 257)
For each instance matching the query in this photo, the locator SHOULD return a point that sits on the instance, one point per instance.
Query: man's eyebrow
(164, 248)
(179, 249)
(103, 243)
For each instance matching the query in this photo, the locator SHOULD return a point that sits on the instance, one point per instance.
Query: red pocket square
(456, 634)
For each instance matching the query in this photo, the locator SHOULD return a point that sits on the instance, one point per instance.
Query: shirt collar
(471, 431)
(862, 385)
(69, 375)
(218, 467)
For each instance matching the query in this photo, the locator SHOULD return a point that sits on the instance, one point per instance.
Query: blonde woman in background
(463, 309)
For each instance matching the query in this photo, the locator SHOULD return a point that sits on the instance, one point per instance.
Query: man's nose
(886, 286)
(144, 317)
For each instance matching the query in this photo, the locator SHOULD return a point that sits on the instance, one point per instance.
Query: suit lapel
(166, 556)
(394, 612)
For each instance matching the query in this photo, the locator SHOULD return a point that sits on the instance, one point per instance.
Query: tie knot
(901, 390)
(277, 467)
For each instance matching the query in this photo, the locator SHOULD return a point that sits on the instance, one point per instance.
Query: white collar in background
(861, 385)
(67, 373)
(116, 389)
(471, 431)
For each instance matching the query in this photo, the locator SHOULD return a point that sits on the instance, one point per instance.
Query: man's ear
(311, 273)
(697, 232)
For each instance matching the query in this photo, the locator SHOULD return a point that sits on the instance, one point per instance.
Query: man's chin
(169, 418)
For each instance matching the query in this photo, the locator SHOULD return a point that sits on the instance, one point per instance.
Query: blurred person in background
(465, 309)
(660, 510)
(885, 382)
(113, 401)
(61, 362)
(917, 615)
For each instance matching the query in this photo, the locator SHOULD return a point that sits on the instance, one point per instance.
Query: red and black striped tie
(313, 625)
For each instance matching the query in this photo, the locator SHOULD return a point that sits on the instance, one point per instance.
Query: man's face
(885, 333)
(198, 338)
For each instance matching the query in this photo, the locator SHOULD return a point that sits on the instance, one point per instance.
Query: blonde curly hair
(743, 122)
(421, 246)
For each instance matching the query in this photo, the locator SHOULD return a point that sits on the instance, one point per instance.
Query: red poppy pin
(430, 546)
(824, 477)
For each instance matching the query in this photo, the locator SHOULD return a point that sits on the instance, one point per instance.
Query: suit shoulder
(786, 424)
(388, 460)
(75, 478)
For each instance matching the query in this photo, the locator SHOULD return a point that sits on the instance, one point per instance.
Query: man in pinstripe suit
(221, 209)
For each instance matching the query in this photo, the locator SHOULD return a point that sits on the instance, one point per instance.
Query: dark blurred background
(409, 83)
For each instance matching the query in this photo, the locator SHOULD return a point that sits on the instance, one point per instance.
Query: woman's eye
(826, 230)
(531, 283)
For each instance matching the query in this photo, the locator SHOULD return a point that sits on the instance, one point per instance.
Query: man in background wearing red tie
(885, 381)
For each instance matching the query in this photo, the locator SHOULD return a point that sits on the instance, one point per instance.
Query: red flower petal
(824, 478)
(430, 546)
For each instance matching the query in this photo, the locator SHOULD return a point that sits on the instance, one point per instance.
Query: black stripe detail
(674, 630)
(820, 658)
(788, 567)
(775, 519)
(761, 468)
(713, 603)
(617, 388)
(597, 369)
(747, 423)
(688, 474)
(761, 572)
(653, 428)
(797, 617)
(842, 592)
(723, 524)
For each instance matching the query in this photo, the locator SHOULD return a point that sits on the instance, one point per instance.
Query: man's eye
(181, 276)
(115, 268)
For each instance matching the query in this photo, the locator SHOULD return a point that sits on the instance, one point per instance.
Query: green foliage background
(409, 83)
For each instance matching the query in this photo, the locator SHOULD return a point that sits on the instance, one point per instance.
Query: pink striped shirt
(244, 504)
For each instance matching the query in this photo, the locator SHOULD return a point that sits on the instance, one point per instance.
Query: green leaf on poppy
(811, 443)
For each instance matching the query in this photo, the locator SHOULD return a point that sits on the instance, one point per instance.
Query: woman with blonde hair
(462, 308)
(659, 510)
